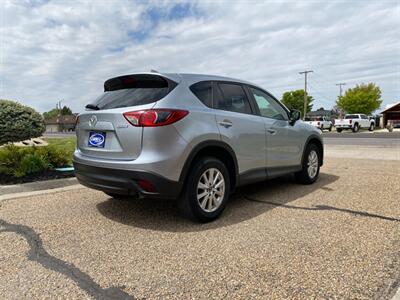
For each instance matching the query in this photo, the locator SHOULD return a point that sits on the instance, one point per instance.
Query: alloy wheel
(312, 164)
(210, 190)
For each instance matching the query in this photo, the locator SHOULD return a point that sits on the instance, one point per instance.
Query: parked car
(354, 122)
(319, 122)
(191, 137)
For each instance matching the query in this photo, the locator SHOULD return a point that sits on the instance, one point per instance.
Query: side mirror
(294, 115)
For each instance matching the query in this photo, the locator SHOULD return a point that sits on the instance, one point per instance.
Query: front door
(284, 142)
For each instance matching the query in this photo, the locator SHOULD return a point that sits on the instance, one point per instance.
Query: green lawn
(67, 143)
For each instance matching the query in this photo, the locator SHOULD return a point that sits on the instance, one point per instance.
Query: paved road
(59, 135)
(338, 238)
(377, 139)
(362, 134)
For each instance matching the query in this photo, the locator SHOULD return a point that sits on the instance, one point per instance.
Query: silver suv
(190, 137)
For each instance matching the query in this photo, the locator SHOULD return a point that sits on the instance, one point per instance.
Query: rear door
(284, 141)
(103, 131)
(364, 121)
(239, 127)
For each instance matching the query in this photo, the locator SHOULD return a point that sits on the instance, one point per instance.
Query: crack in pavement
(326, 207)
(39, 254)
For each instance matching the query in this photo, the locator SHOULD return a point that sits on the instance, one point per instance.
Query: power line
(305, 91)
(324, 98)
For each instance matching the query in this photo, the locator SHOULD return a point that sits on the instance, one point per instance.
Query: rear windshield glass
(132, 90)
(351, 117)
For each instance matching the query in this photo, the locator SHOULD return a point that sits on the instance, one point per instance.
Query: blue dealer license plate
(97, 139)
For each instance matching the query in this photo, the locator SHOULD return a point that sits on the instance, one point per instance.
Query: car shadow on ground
(246, 203)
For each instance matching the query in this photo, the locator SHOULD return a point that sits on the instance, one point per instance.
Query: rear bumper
(125, 182)
(343, 126)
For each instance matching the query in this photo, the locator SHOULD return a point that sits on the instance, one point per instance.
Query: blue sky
(63, 50)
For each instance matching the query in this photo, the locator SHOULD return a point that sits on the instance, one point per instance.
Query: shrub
(29, 164)
(19, 122)
(20, 161)
(55, 156)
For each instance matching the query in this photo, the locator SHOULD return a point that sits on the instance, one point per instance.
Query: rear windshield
(351, 117)
(132, 90)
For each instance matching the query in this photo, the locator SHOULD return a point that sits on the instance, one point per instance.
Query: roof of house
(320, 112)
(61, 120)
(393, 107)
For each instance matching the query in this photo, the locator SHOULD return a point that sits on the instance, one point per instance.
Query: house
(61, 123)
(391, 115)
(329, 114)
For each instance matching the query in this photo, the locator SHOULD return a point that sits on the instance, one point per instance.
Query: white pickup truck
(354, 122)
(319, 122)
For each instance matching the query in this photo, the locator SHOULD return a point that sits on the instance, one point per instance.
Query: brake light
(350, 121)
(154, 117)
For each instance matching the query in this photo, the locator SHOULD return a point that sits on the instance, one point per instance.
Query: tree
(57, 112)
(363, 98)
(51, 113)
(19, 122)
(65, 111)
(295, 100)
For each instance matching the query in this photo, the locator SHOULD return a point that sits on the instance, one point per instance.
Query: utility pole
(305, 91)
(340, 84)
(340, 87)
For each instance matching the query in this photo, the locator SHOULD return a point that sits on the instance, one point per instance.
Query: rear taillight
(319, 123)
(350, 121)
(154, 117)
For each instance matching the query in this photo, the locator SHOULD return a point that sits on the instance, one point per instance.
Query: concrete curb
(37, 186)
(40, 192)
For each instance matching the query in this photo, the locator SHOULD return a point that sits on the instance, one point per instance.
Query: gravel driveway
(338, 238)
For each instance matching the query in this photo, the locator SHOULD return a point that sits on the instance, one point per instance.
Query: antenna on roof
(154, 71)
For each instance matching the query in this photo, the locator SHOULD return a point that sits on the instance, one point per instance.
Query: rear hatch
(103, 131)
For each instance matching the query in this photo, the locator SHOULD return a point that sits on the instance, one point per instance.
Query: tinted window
(233, 99)
(203, 91)
(268, 106)
(351, 117)
(364, 117)
(131, 91)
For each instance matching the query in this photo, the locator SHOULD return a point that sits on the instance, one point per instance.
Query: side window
(364, 117)
(233, 99)
(203, 91)
(268, 106)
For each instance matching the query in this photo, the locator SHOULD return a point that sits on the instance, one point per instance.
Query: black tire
(330, 128)
(371, 127)
(188, 203)
(303, 176)
(356, 127)
(339, 130)
(322, 128)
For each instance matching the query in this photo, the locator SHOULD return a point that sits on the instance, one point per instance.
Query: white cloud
(65, 50)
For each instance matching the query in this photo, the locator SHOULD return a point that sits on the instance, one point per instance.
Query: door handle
(271, 131)
(225, 123)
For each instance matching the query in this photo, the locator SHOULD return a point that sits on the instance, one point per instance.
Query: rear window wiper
(92, 106)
